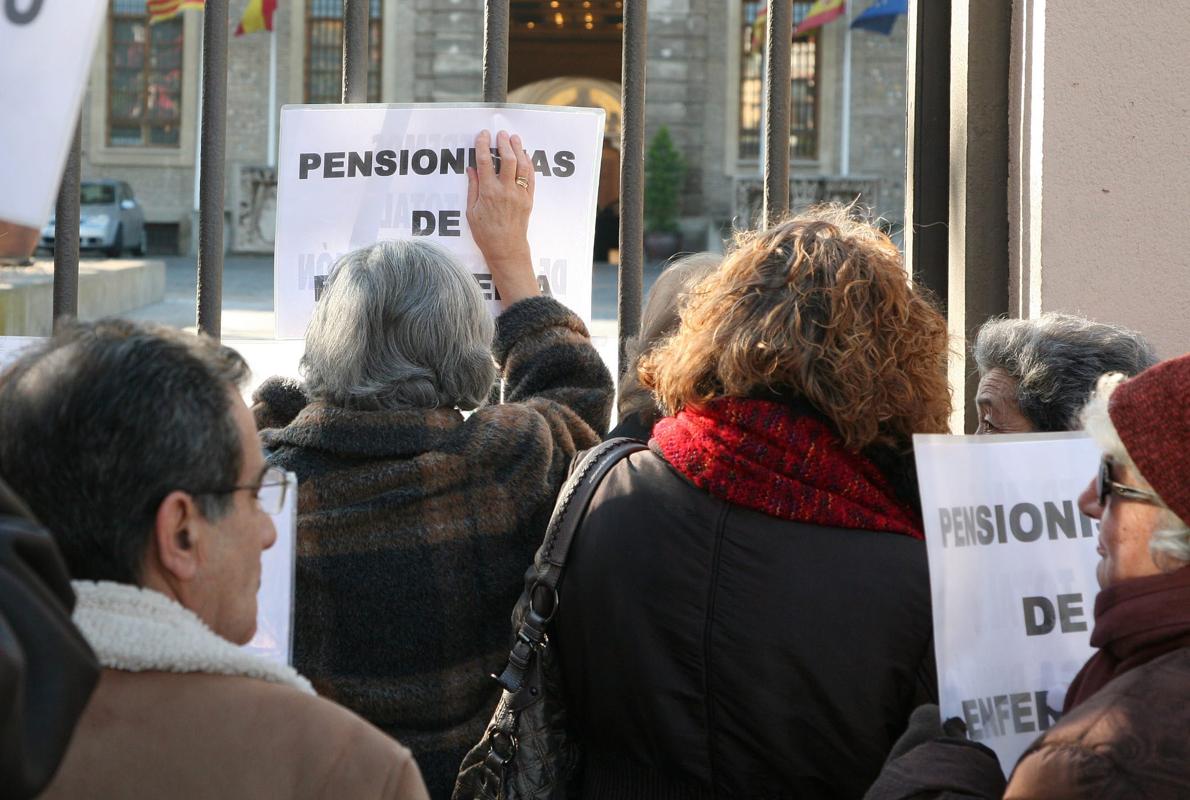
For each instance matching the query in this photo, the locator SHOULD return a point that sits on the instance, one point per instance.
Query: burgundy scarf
(787, 463)
(1136, 621)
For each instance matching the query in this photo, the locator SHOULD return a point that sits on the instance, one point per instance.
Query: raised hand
(498, 208)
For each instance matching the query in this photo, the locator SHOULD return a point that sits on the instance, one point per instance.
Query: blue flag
(881, 16)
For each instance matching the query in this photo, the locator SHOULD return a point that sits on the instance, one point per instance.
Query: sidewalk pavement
(248, 297)
(248, 311)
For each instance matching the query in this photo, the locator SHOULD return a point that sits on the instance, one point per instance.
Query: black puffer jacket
(714, 651)
(47, 671)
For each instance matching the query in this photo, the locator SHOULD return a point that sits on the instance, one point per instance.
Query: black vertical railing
(66, 235)
(778, 47)
(927, 177)
(632, 170)
(355, 51)
(211, 179)
(495, 51)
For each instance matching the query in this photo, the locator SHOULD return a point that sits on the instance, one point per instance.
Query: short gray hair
(1171, 539)
(1056, 360)
(103, 421)
(400, 324)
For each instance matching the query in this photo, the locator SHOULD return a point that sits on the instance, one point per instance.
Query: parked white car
(111, 220)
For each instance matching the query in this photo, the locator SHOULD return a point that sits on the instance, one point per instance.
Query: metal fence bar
(927, 167)
(355, 51)
(778, 48)
(495, 51)
(211, 178)
(632, 171)
(66, 236)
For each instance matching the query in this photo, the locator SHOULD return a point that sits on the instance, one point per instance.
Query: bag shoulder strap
(550, 564)
(573, 500)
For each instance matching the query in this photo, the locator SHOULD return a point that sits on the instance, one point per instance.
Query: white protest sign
(274, 599)
(352, 175)
(11, 348)
(45, 52)
(1012, 575)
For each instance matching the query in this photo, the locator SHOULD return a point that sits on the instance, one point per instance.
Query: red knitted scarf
(787, 463)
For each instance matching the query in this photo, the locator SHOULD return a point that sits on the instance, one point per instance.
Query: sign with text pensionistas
(1012, 576)
(352, 175)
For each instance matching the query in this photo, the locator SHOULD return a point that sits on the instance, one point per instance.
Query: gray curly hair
(1056, 360)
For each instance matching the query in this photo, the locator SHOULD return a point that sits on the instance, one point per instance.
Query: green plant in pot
(665, 169)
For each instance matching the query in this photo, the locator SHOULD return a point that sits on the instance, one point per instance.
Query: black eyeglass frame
(1105, 486)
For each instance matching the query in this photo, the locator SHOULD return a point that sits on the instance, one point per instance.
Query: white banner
(1012, 574)
(352, 175)
(45, 52)
(274, 599)
(12, 346)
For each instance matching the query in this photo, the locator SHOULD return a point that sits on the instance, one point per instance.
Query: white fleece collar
(138, 630)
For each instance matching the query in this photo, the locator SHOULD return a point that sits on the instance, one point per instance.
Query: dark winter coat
(1129, 740)
(415, 527)
(710, 650)
(47, 671)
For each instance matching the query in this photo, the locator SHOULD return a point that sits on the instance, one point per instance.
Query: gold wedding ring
(522, 182)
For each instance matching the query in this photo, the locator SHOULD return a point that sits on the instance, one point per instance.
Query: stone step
(107, 287)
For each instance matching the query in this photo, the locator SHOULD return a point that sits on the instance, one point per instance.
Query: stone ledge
(107, 288)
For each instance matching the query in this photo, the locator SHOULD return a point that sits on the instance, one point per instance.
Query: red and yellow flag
(161, 10)
(822, 12)
(258, 16)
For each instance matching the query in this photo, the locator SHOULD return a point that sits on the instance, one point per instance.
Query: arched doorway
(590, 93)
(549, 38)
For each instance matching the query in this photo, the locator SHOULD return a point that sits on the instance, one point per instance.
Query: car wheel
(117, 246)
(139, 250)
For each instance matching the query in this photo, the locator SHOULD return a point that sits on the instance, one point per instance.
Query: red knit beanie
(1151, 413)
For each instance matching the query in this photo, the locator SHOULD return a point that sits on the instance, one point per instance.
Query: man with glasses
(132, 445)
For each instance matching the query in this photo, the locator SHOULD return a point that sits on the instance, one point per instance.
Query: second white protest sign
(352, 175)
(1012, 575)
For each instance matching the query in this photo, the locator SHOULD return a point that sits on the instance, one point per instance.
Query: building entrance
(549, 38)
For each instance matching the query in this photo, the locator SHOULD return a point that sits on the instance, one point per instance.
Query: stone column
(1099, 185)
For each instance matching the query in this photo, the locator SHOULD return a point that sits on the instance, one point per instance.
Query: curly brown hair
(819, 308)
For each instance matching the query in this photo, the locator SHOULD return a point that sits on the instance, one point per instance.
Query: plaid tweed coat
(415, 527)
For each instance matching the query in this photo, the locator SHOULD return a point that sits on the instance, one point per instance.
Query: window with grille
(144, 78)
(324, 51)
(803, 124)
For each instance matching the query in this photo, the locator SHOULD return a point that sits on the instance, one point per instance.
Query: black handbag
(526, 752)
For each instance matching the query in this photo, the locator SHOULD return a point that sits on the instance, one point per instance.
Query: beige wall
(1100, 186)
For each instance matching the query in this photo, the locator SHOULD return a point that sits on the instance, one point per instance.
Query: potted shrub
(665, 170)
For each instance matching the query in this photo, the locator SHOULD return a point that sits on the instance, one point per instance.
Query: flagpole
(272, 98)
(845, 127)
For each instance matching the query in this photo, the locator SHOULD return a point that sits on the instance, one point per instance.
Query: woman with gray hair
(1035, 374)
(414, 522)
(1123, 727)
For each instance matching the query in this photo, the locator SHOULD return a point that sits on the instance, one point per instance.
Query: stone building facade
(431, 51)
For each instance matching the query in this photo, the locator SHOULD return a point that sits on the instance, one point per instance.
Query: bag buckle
(498, 756)
(548, 615)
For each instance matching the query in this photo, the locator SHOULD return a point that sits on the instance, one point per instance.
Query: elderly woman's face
(997, 407)
(1125, 528)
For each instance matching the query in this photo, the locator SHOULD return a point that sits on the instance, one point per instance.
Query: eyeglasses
(1105, 486)
(270, 492)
